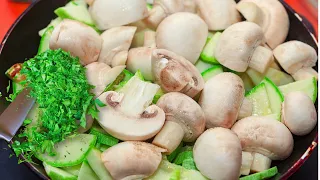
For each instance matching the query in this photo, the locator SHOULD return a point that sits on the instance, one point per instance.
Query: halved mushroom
(100, 75)
(221, 99)
(218, 14)
(110, 13)
(264, 135)
(270, 15)
(183, 33)
(297, 58)
(217, 154)
(115, 46)
(132, 160)
(175, 74)
(161, 9)
(244, 40)
(187, 117)
(78, 39)
(127, 114)
(299, 113)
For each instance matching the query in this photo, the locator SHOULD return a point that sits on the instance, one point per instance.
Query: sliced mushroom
(132, 160)
(186, 113)
(127, 114)
(110, 13)
(115, 46)
(161, 9)
(240, 46)
(264, 135)
(175, 74)
(297, 58)
(299, 113)
(100, 75)
(183, 33)
(221, 99)
(78, 39)
(270, 15)
(218, 14)
(217, 154)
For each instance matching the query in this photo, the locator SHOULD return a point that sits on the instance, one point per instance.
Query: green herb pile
(60, 87)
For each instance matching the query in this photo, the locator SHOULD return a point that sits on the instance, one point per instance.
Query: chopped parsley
(60, 87)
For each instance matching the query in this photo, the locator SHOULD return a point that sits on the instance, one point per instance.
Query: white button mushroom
(299, 113)
(270, 15)
(115, 46)
(111, 13)
(240, 46)
(127, 114)
(175, 74)
(221, 99)
(100, 75)
(264, 135)
(297, 58)
(184, 34)
(132, 160)
(218, 14)
(161, 9)
(78, 39)
(188, 116)
(217, 154)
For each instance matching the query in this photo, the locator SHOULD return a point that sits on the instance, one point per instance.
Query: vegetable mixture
(166, 90)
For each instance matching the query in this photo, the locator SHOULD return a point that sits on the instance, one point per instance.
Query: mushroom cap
(277, 21)
(175, 74)
(132, 160)
(183, 33)
(264, 135)
(218, 14)
(100, 75)
(237, 45)
(299, 113)
(183, 110)
(115, 46)
(221, 99)
(294, 55)
(141, 59)
(77, 38)
(110, 13)
(124, 125)
(217, 154)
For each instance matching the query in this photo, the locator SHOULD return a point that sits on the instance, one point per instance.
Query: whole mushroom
(221, 99)
(184, 121)
(116, 44)
(175, 74)
(183, 33)
(270, 15)
(217, 154)
(240, 46)
(110, 13)
(127, 114)
(132, 160)
(218, 14)
(161, 9)
(299, 113)
(264, 135)
(297, 58)
(77, 38)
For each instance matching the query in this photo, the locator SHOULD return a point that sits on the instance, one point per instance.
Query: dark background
(11, 170)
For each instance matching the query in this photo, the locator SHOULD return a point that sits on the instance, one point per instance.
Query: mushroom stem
(261, 59)
(245, 109)
(169, 137)
(246, 163)
(305, 73)
(260, 163)
(156, 15)
(149, 39)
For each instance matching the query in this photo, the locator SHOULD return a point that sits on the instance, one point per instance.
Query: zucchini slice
(207, 53)
(86, 173)
(53, 23)
(262, 175)
(45, 40)
(202, 66)
(260, 100)
(95, 162)
(211, 72)
(57, 173)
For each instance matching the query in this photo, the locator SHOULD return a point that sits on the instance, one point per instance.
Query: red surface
(9, 11)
